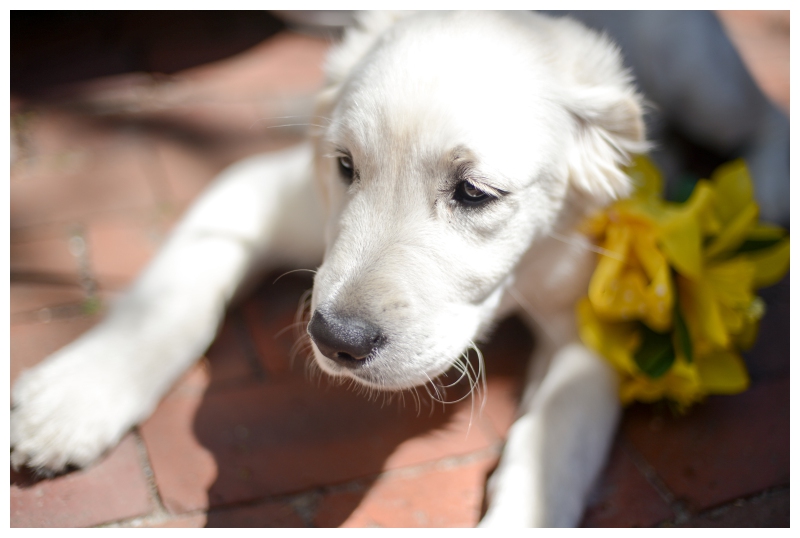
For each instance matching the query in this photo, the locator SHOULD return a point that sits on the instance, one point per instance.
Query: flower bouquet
(672, 301)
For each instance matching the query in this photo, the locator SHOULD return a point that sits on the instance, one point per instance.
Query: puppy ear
(358, 39)
(606, 110)
(607, 129)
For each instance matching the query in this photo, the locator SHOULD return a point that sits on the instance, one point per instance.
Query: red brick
(195, 521)
(183, 468)
(194, 382)
(185, 170)
(120, 249)
(188, 166)
(623, 497)
(506, 356)
(50, 143)
(112, 490)
(267, 515)
(453, 436)
(229, 356)
(288, 63)
(215, 117)
(725, 448)
(270, 317)
(270, 330)
(767, 510)
(502, 401)
(289, 435)
(53, 134)
(229, 108)
(439, 495)
(30, 343)
(285, 437)
(28, 298)
(222, 96)
(117, 178)
(49, 255)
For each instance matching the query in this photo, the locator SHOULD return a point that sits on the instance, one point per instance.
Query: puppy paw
(68, 411)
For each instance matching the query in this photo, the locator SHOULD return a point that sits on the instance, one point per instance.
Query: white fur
(540, 113)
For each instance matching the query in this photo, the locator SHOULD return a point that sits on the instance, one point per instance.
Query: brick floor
(114, 489)
(624, 497)
(248, 438)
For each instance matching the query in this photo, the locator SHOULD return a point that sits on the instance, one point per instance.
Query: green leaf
(91, 305)
(682, 334)
(758, 244)
(656, 353)
(681, 189)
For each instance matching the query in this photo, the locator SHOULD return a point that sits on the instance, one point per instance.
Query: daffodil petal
(660, 297)
(700, 206)
(595, 225)
(615, 341)
(735, 232)
(770, 263)
(732, 281)
(746, 337)
(723, 372)
(683, 384)
(702, 315)
(734, 189)
(732, 318)
(605, 280)
(646, 177)
(710, 252)
(682, 241)
(646, 250)
(766, 231)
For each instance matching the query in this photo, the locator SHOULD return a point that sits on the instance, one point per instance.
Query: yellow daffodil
(672, 299)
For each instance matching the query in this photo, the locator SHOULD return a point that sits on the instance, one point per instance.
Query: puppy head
(453, 143)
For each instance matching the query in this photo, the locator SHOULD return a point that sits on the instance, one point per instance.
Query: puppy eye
(468, 194)
(346, 169)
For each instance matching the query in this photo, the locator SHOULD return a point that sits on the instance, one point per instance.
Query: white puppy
(456, 154)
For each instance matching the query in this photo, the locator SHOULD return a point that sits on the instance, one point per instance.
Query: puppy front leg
(558, 446)
(80, 401)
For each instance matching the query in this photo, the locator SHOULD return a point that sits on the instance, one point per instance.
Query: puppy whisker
(308, 122)
(417, 400)
(292, 326)
(481, 375)
(312, 271)
(583, 243)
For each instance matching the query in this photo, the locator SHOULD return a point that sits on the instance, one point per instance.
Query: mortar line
(149, 474)
(721, 509)
(360, 483)
(680, 510)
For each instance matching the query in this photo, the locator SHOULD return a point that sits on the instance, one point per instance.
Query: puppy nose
(346, 340)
